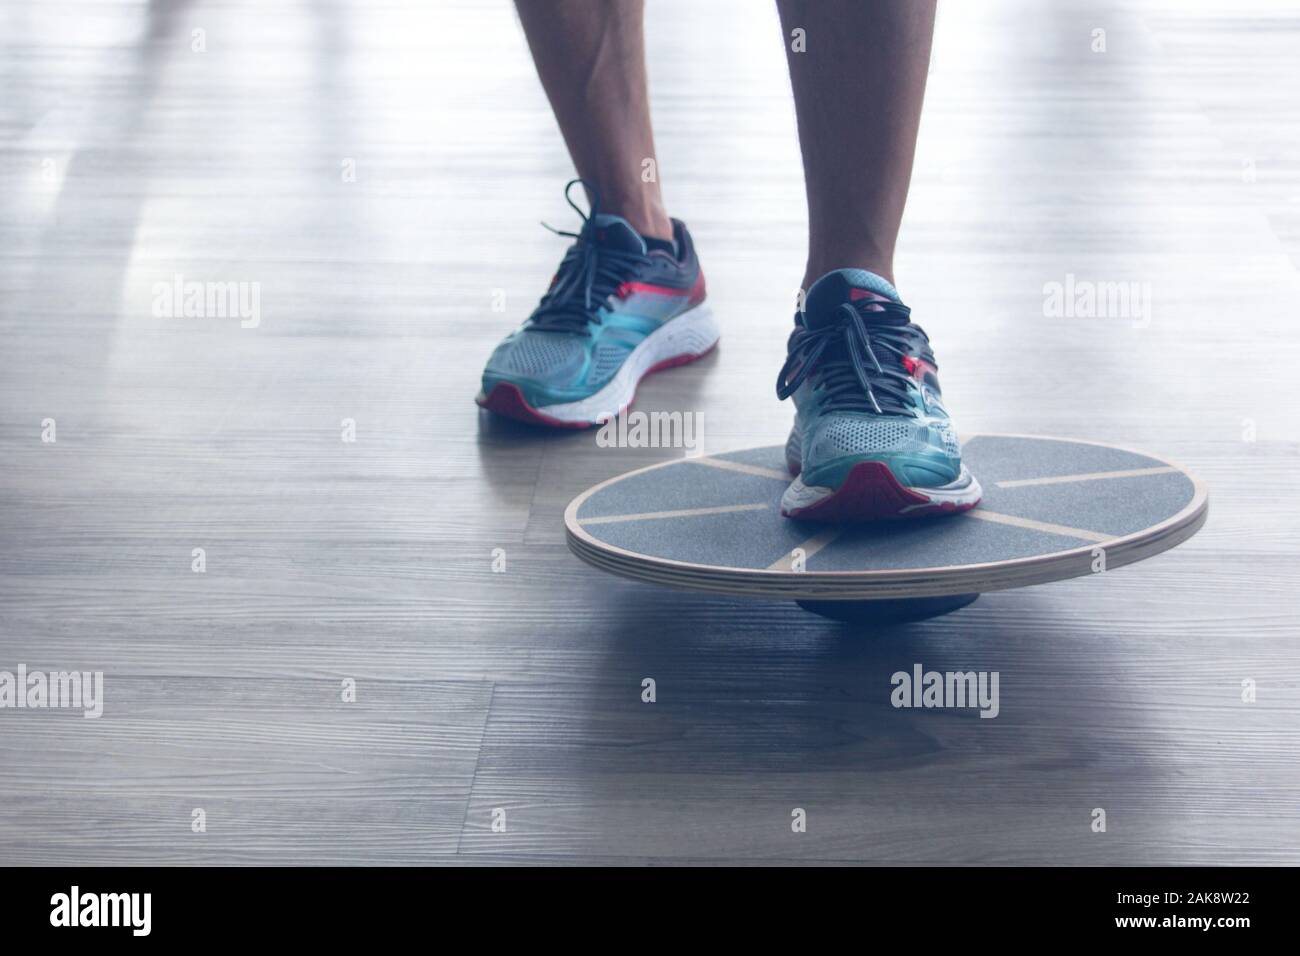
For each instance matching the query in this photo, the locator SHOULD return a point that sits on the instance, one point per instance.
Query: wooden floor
(127, 158)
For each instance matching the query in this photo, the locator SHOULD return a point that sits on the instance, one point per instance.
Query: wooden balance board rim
(898, 582)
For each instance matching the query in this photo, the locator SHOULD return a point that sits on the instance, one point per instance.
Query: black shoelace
(859, 362)
(588, 275)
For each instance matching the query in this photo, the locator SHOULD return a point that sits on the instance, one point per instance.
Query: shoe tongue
(843, 285)
(614, 232)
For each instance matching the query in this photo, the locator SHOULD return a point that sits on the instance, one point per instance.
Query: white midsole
(964, 491)
(691, 333)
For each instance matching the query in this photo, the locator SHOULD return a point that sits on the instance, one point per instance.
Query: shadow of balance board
(1053, 508)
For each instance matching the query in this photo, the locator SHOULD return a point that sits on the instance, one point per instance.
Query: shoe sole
(688, 337)
(871, 492)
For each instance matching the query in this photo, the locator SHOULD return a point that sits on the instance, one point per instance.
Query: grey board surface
(1097, 507)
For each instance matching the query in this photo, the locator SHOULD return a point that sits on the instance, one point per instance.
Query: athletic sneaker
(620, 307)
(871, 436)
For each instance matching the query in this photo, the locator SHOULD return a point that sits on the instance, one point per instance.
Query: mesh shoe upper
(865, 386)
(539, 355)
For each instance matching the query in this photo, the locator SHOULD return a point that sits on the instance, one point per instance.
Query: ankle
(643, 208)
(650, 221)
(876, 261)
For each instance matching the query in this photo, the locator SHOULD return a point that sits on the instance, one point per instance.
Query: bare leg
(590, 55)
(857, 93)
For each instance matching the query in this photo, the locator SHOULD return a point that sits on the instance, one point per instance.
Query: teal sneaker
(619, 308)
(871, 437)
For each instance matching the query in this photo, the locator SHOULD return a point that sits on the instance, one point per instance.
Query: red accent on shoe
(695, 294)
(871, 492)
(645, 288)
(506, 399)
(858, 294)
(697, 290)
(917, 368)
